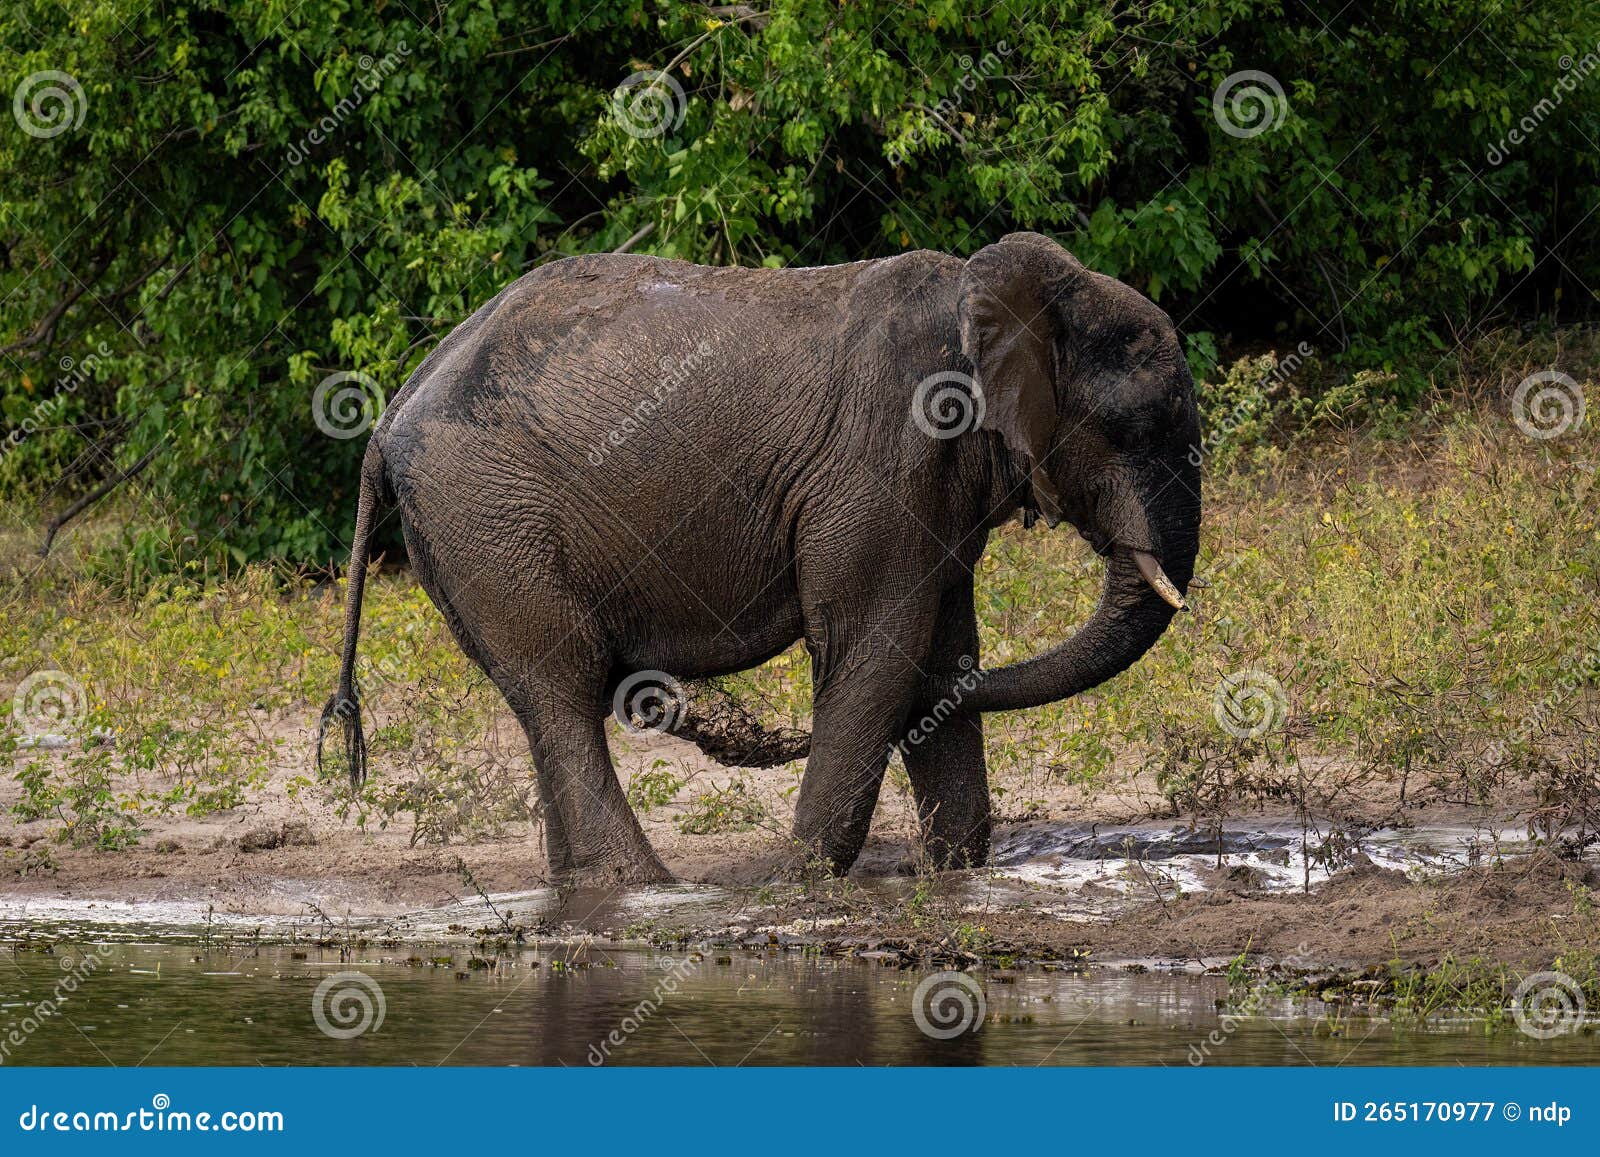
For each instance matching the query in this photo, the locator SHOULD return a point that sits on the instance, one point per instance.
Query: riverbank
(1110, 880)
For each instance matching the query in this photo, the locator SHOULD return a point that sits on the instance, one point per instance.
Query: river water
(186, 1004)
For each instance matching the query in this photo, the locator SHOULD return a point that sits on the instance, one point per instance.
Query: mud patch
(1270, 856)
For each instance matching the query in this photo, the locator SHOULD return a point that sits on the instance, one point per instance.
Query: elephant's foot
(820, 850)
(946, 849)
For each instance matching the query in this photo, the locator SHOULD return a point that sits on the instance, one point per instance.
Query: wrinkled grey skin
(780, 489)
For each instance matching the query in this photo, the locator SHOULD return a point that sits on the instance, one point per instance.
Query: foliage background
(215, 280)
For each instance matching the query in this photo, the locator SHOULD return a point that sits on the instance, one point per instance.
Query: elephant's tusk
(1157, 578)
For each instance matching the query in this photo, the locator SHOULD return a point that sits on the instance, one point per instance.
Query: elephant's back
(602, 331)
(596, 378)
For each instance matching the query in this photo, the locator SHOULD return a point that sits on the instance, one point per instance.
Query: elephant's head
(1086, 384)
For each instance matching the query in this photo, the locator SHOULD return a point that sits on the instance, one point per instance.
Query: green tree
(209, 209)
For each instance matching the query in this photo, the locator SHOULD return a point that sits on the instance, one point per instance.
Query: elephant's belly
(694, 643)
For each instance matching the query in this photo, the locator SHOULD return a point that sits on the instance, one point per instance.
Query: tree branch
(684, 55)
(94, 496)
(46, 329)
(636, 238)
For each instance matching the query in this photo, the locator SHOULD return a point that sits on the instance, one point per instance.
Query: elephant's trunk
(1142, 592)
(1126, 624)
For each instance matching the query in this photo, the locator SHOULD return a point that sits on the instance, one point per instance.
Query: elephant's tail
(345, 707)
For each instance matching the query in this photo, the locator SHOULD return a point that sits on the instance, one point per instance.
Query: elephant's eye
(1136, 428)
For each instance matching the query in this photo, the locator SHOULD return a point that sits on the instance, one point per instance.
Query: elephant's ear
(1009, 311)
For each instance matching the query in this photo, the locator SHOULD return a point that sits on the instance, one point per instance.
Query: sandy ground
(285, 855)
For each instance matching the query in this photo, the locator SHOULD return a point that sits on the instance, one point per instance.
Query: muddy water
(176, 1004)
(1091, 867)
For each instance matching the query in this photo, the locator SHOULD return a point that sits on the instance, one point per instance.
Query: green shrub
(261, 196)
(727, 809)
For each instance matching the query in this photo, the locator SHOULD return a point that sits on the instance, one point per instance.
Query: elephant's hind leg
(557, 849)
(592, 835)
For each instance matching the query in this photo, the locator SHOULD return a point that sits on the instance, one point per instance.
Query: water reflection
(170, 1004)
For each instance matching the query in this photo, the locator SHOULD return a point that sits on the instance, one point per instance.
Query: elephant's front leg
(943, 751)
(865, 680)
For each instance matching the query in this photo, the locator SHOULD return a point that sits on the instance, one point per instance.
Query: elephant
(627, 468)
